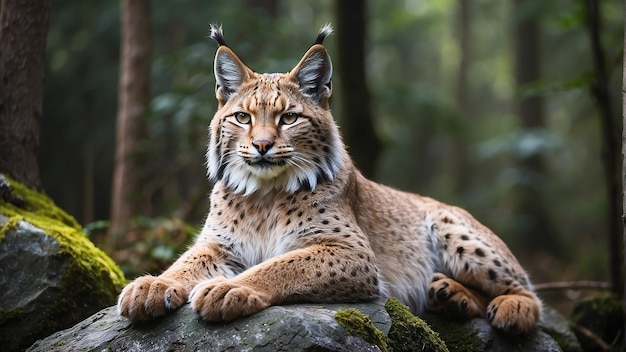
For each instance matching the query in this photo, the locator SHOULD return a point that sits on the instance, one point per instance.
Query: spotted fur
(292, 219)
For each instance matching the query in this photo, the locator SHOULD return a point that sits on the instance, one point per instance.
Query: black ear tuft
(314, 71)
(217, 34)
(325, 31)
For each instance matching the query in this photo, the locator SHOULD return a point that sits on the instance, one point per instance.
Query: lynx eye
(288, 118)
(242, 117)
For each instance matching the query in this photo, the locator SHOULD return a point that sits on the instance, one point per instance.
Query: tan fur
(292, 220)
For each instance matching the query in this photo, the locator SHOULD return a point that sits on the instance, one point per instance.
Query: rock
(51, 275)
(477, 335)
(304, 327)
(555, 325)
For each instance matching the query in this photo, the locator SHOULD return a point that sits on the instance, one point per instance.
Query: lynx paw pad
(223, 300)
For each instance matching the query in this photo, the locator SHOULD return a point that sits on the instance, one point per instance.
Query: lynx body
(292, 220)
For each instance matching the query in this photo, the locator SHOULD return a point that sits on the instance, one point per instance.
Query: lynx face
(273, 131)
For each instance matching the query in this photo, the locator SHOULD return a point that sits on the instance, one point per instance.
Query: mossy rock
(51, 274)
(372, 326)
(360, 324)
(410, 333)
(477, 335)
(603, 316)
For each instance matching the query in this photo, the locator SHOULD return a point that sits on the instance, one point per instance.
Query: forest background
(489, 105)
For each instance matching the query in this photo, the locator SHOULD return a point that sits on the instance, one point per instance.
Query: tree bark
(459, 158)
(134, 97)
(624, 170)
(23, 30)
(357, 122)
(610, 153)
(535, 226)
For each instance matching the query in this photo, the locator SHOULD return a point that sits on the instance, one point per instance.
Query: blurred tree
(535, 228)
(357, 123)
(134, 97)
(268, 8)
(80, 102)
(459, 157)
(23, 31)
(624, 168)
(600, 88)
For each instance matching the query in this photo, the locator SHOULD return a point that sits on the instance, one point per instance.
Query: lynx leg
(451, 298)
(476, 257)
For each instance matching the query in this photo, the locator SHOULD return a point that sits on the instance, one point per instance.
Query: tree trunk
(610, 152)
(624, 171)
(134, 97)
(535, 228)
(357, 122)
(460, 147)
(23, 30)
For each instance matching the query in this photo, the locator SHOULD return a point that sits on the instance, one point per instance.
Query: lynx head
(273, 131)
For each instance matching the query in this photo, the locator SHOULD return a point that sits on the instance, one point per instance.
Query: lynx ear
(313, 74)
(230, 71)
(314, 71)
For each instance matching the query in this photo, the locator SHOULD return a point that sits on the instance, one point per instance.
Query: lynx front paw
(449, 297)
(223, 300)
(149, 297)
(514, 313)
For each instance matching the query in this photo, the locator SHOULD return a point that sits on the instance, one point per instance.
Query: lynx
(292, 219)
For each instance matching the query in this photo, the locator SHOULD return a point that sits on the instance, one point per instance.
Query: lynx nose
(262, 145)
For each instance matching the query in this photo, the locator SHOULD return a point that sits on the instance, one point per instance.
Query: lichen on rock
(51, 274)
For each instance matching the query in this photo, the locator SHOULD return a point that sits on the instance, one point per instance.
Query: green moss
(40, 211)
(357, 323)
(458, 337)
(36, 206)
(410, 333)
(10, 315)
(91, 279)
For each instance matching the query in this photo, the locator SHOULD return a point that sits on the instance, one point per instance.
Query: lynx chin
(292, 220)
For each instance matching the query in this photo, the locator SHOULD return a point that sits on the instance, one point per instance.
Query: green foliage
(154, 243)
